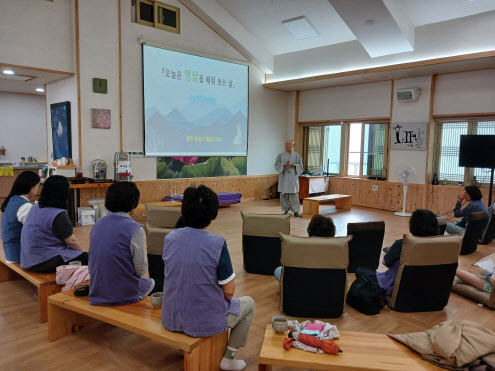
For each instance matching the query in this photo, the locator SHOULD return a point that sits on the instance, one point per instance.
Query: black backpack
(366, 296)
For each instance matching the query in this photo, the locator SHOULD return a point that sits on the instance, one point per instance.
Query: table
(311, 205)
(312, 184)
(75, 199)
(360, 351)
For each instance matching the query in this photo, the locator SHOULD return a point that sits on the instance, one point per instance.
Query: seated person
(471, 194)
(485, 284)
(489, 211)
(319, 226)
(199, 280)
(117, 251)
(423, 223)
(47, 238)
(15, 209)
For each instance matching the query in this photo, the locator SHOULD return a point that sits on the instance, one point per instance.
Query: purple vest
(113, 279)
(386, 279)
(193, 301)
(38, 242)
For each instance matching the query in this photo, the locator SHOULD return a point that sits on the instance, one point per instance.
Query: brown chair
(261, 243)
(161, 220)
(426, 272)
(474, 230)
(314, 276)
(366, 244)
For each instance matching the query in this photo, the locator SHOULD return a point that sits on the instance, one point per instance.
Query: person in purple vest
(198, 293)
(47, 238)
(423, 223)
(117, 251)
(15, 209)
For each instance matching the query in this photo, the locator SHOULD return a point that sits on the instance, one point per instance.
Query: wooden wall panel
(252, 187)
(437, 198)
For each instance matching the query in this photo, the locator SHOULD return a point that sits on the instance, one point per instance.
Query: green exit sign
(99, 85)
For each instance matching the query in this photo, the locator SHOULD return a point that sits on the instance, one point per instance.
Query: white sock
(229, 363)
(232, 364)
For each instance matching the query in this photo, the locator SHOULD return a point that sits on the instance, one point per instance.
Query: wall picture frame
(61, 130)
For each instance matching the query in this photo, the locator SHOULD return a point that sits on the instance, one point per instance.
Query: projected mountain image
(194, 105)
(220, 126)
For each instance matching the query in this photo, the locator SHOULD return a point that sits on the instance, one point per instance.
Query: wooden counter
(6, 183)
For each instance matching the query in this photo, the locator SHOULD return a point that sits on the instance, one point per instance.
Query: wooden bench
(67, 312)
(360, 351)
(45, 282)
(311, 205)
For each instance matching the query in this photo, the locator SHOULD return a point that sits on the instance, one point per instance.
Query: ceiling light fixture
(8, 72)
(300, 28)
(40, 90)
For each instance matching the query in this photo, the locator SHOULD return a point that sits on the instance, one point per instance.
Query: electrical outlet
(375, 188)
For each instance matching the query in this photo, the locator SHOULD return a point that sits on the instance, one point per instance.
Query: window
(314, 149)
(348, 148)
(447, 149)
(156, 14)
(332, 148)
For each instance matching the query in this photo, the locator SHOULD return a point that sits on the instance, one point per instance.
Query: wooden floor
(24, 344)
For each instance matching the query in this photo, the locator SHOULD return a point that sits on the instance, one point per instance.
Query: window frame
(472, 123)
(155, 23)
(344, 147)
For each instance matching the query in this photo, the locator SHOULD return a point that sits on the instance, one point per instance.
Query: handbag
(366, 296)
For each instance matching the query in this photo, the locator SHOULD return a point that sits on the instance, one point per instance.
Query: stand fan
(406, 174)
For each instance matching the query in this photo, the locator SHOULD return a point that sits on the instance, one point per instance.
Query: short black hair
(321, 226)
(423, 223)
(180, 223)
(22, 186)
(199, 206)
(474, 193)
(55, 192)
(122, 197)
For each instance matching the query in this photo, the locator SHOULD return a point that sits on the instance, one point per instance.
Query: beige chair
(314, 276)
(261, 241)
(161, 220)
(426, 272)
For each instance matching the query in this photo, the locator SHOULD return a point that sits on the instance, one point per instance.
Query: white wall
(62, 91)
(267, 108)
(460, 36)
(99, 57)
(38, 34)
(345, 102)
(465, 92)
(22, 126)
(410, 111)
(291, 119)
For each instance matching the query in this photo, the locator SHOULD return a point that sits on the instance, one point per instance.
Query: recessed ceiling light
(300, 28)
(40, 90)
(8, 72)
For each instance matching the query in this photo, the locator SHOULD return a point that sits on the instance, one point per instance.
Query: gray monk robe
(288, 180)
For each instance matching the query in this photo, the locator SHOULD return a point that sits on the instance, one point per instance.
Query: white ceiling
(422, 12)
(263, 18)
(38, 80)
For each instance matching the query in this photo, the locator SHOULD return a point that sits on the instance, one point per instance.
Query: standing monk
(289, 165)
